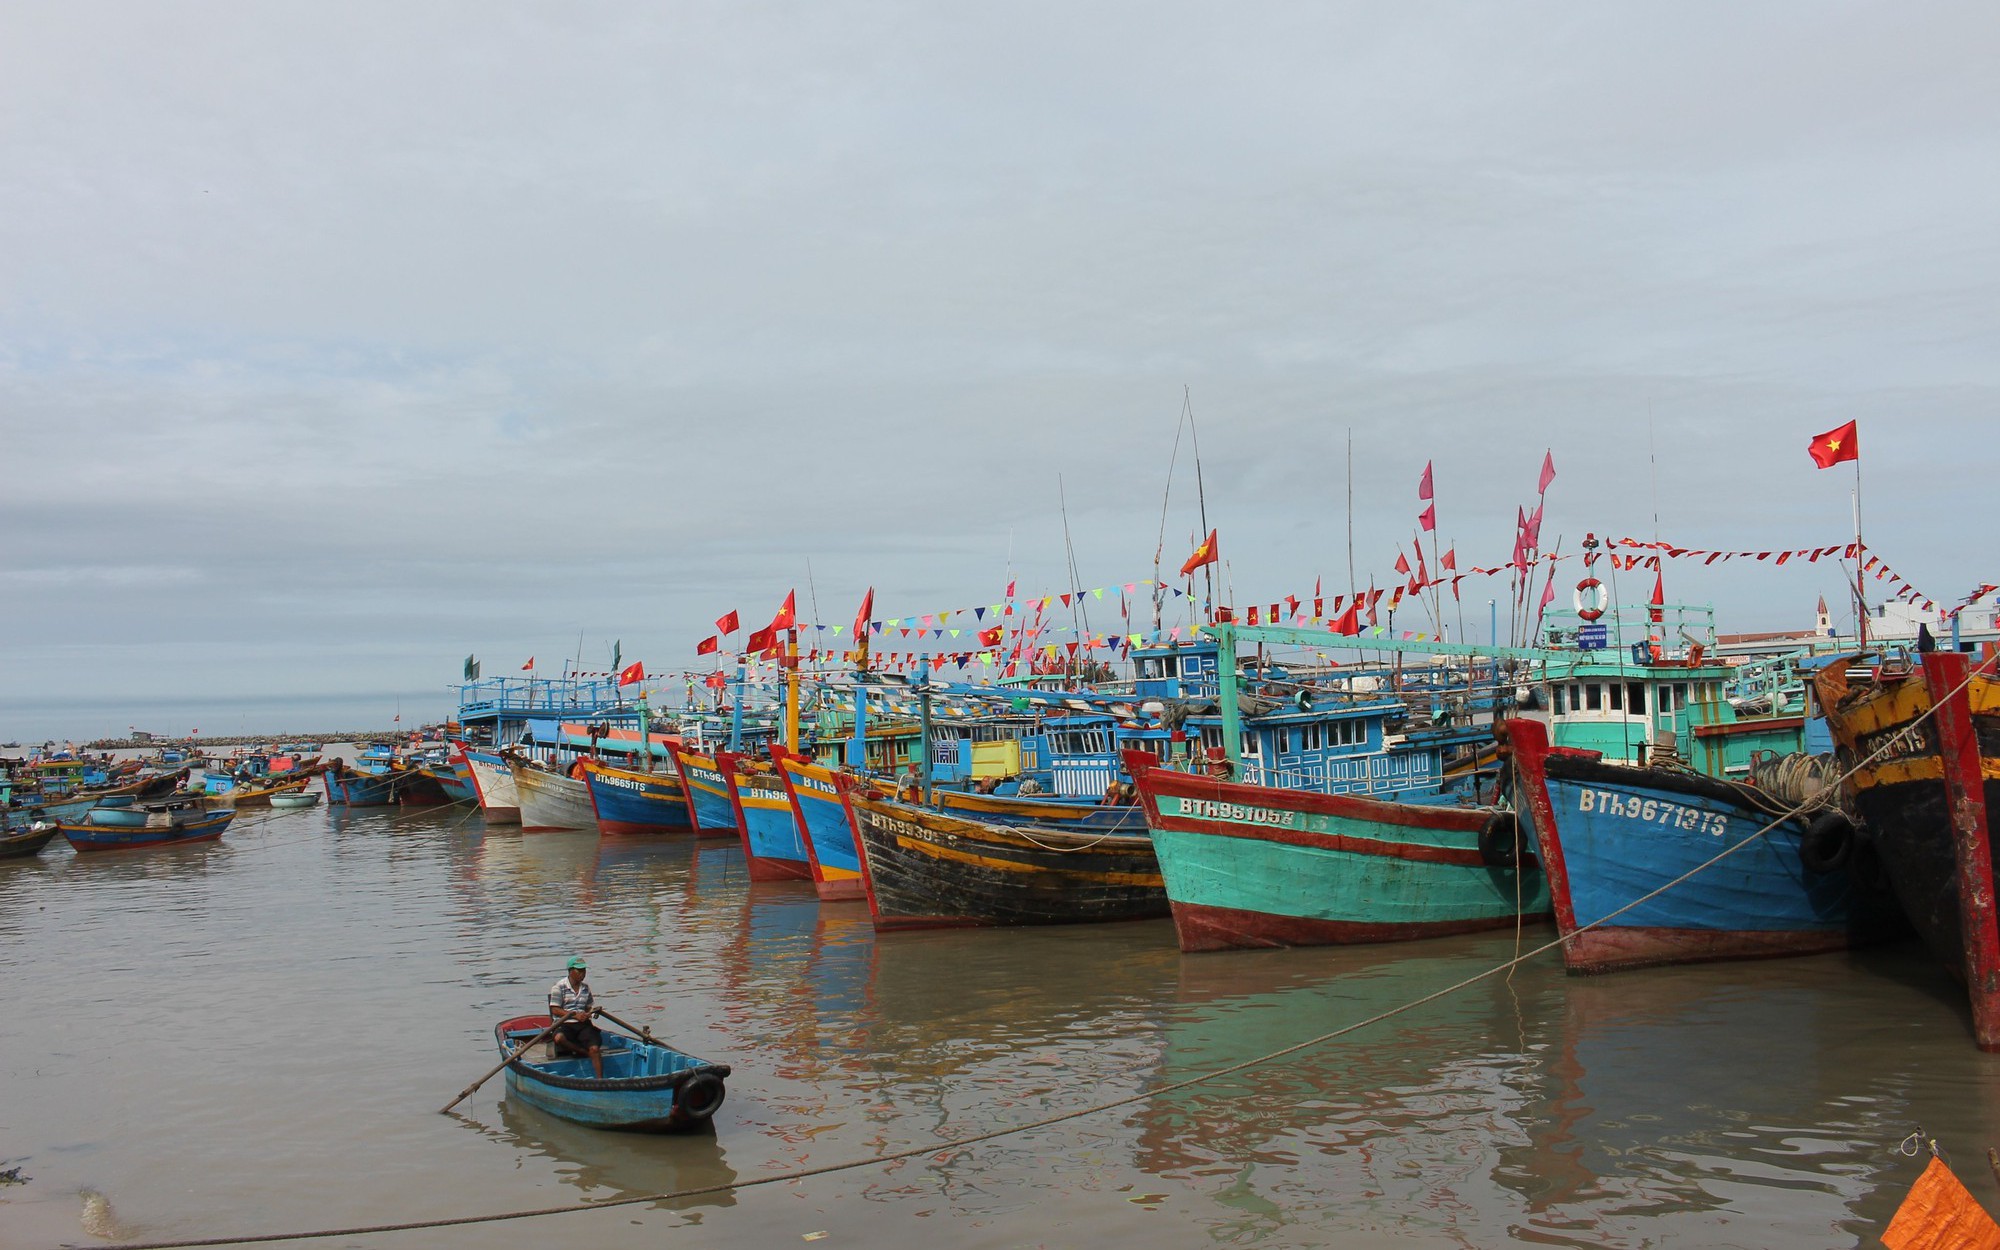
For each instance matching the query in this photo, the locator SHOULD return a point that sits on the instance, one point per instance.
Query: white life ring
(1599, 599)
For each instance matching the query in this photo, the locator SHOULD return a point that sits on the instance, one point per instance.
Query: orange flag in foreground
(1939, 1214)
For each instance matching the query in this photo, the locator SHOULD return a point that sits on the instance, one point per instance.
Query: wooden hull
(819, 803)
(27, 842)
(1611, 834)
(645, 1089)
(710, 811)
(261, 796)
(204, 828)
(629, 801)
(928, 870)
(773, 847)
(551, 801)
(1926, 805)
(1051, 813)
(493, 783)
(1256, 866)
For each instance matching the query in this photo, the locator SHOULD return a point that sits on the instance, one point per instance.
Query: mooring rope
(974, 1139)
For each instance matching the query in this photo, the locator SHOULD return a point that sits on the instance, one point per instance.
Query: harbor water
(255, 1036)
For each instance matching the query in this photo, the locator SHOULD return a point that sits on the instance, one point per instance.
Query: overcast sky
(339, 341)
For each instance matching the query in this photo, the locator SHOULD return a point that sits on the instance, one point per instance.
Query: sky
(340, 342)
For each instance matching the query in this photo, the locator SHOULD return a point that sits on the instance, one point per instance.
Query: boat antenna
(1160, 545)
(1079, 624)
(1200, 493)
(1350, 512)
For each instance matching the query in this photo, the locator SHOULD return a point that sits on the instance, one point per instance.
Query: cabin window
(1313, 739)
(1211, 735)
(1635, 698)
(1556, 700)
(1575, 696)
(1284, 742)
(1251, 744)
(1616, 691)
(1681, 695)
(1593, 697)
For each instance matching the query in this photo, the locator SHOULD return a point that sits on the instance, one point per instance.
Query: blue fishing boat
(774, 847)
(164, 825)
(1612, 835)
(709, 807)
(647, 1087)
(629, 800)
(819, 804)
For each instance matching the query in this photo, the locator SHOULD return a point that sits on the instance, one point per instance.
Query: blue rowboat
(646, 1087)
(26, 840)
(170, 827)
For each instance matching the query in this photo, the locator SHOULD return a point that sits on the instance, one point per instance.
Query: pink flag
(1549, 591)
(1533, 529)
(1428, 518)
(1548, 471)
(1424, 487)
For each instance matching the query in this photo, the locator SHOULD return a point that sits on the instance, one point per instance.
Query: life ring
(1600, 600)
(698, 1098)
(1827, 845)
(1500, 842)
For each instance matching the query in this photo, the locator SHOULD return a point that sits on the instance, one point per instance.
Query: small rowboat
(296, 799)
(646, 1087)
(26, 840)
(164, 826)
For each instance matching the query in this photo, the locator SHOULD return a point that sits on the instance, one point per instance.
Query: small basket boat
(646, 1088)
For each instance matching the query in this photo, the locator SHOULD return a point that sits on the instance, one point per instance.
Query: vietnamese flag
(1207, 553)
(633, 672)
(707, 646)
(991, 637)
(529, 666)
(867, 610)
(762, 640)
(728, 625)
(788, 615)
(1834, 446)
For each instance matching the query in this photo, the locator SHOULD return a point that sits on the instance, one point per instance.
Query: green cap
(576, 961)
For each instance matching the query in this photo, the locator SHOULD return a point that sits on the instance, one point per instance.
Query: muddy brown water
(254, 1036)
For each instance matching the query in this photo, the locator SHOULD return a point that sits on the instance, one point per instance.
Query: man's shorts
(579, 1035)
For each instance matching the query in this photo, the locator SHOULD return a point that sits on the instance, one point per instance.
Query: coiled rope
(974, 1139)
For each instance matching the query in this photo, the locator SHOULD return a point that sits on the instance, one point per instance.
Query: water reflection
(626, 1165)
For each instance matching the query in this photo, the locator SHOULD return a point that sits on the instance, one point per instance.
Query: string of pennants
(1008, 642)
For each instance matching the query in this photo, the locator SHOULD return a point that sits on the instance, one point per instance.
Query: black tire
(1827, 844)
(1500, 843)
(699, 1097)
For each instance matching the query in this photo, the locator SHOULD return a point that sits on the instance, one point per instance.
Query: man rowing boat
(571, 1006)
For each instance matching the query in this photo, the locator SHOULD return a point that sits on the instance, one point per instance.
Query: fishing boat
(453, 776)
(774, 848)
(266, 795)
(1050, 812)
(549, 799)
(634, 801)
(819, 804)
(158, 825)
(295, 799)
(493, 782)
(1611, 834)
(647, 1087)
(1923, 743)
(1261, 866)
(709, 808)
(29, 839)
(926, 869)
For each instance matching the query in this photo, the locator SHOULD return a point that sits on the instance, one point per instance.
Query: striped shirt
(565, 998)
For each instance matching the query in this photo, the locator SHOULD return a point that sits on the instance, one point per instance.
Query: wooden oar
(520, 1050)
(644, 1035)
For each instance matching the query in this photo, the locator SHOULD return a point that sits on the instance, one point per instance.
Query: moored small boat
(1923, 744)
(550, 800)
(26, 840)
(163, 826)
(647, 1087)
(819, 803)
(773, 847)
(295, 799)
(493, 782)
(709, 808)
(1611, 835)
(634, 801)
(927, 869)
(1261, 866)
